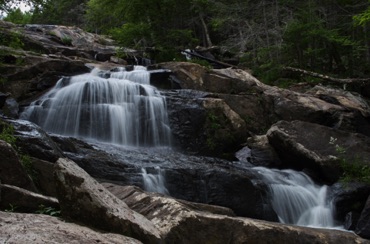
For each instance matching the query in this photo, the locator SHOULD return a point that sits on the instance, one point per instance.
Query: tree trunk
(207, 38)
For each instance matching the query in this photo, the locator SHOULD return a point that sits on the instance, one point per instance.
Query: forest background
(330, 37)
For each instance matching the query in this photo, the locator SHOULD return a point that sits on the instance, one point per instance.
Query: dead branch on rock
(210, 59)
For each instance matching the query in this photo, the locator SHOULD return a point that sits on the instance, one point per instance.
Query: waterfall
(116, 106)
(296, 199)
(154, 182)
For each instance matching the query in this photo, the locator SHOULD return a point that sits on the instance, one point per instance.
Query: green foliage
(362, 18)
(7, 134)
(353, 170)
(48, 211)
(101, 17)
(268, 72)
(12, 39)
(132, 35)
(60, 12)
(16, 16)
(201, 62)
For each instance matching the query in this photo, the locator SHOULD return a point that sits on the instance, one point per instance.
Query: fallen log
(326, 77)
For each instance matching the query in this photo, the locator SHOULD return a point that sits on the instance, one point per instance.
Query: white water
(297, 200)
(154, 182)
(122, 109)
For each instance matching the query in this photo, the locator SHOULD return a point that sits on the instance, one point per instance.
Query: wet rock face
(34, 141)
(187, 117)
(240, 191)
(199, 179)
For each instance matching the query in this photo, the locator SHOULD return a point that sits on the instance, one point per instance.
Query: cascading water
(296, 199)
(154, 182)
(121, 107)
(117, 107)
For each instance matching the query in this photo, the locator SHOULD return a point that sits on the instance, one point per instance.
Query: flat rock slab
(38, 228)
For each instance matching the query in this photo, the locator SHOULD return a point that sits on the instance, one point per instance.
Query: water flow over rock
(113, 106)
(296, 199)
(154, 182)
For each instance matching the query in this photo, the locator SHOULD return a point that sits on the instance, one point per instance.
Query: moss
(214, 121)
(66, 41)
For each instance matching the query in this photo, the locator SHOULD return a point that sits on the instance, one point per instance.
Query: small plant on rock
(48, 211)
(11, 208)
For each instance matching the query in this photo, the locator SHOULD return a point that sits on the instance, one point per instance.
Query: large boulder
(84, 200)
(38, 228)
(203, 124)
(180, 222)
(302, 145)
